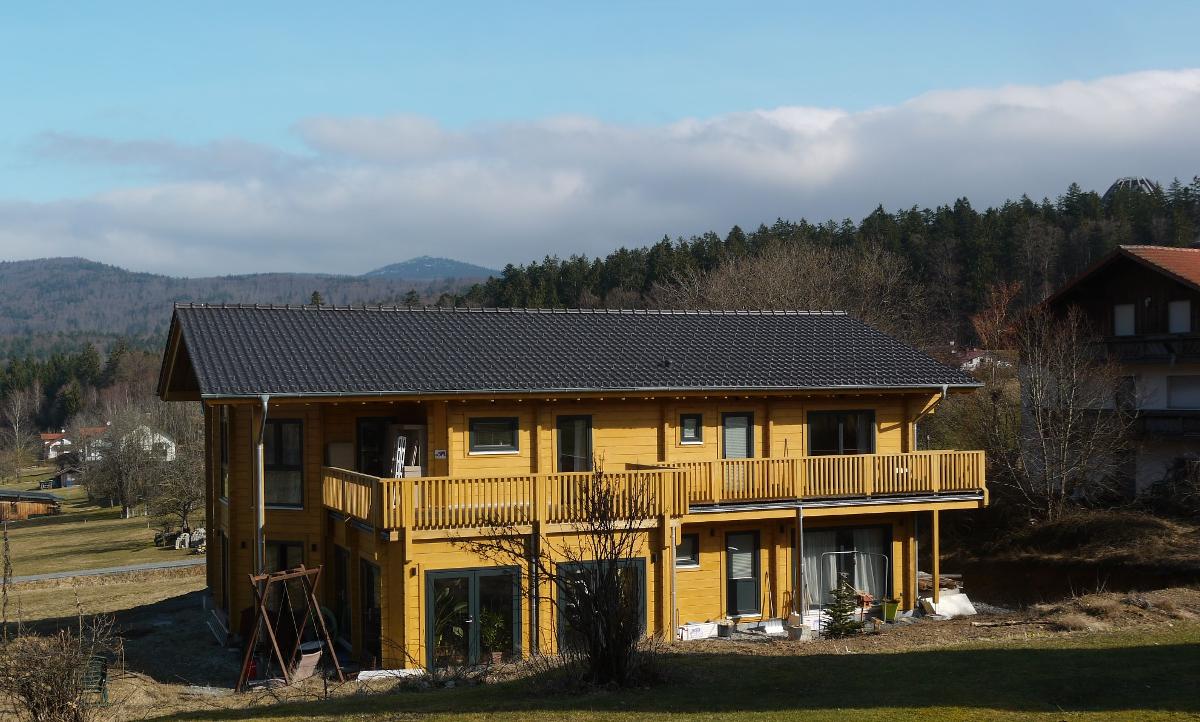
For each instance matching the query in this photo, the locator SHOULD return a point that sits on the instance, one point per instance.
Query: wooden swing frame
(261, 584)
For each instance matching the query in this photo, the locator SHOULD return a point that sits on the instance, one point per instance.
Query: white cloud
(370, 191)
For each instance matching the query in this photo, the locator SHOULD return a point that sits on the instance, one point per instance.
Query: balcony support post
(936, 566)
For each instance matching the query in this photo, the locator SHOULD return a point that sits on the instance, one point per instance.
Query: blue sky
(176, 78)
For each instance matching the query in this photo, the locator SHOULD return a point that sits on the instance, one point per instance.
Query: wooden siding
(408, 527)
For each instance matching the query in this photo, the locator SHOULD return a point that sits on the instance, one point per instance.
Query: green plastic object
(890, 607)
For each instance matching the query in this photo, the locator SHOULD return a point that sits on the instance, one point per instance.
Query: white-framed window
(1179, 317)
(493, 435)
(1123, 324)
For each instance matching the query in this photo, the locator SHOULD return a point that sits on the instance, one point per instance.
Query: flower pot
(890, 608)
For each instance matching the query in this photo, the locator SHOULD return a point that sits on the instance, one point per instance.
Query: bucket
(890, 607)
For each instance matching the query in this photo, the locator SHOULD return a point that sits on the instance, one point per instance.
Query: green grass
(1138, 674)
(84, 536)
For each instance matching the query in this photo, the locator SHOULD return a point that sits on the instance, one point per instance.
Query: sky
(217, 138)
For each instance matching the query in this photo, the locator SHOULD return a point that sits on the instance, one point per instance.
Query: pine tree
(316, 299)
(840, 613)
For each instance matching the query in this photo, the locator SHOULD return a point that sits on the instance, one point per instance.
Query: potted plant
(494, 634)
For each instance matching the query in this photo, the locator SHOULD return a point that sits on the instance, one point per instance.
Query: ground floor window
(474, 616)
(862, 554)
(586, 590)
(283, 555)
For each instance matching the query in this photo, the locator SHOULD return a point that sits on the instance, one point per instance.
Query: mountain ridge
(59, 303)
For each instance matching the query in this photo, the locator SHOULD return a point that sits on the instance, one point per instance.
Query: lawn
(84, 536)
(1147, 673)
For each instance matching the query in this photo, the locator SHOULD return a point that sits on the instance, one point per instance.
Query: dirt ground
(195, 676)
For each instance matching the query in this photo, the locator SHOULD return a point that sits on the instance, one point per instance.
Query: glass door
(574, 443)
(372, 617)
(737, 442)
(474, 616)
(741, 552)
(374, 456)
(450, 623)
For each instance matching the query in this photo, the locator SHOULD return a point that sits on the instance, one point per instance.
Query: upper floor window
(283, 462)
(1179, 317)
(223, 433)
(1123, 324)
(841, 432)
(691, 429)
(1183, 392)
(492, 436)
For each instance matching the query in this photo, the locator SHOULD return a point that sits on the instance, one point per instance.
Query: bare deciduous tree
(593, 576)
(867, 281)
(1053, 427)
(18, 409)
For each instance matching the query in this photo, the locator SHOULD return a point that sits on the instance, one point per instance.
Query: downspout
(260, 508)
(674, 598)
(798, 565)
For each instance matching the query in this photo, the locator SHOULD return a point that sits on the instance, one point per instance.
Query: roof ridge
(1132, 246)
(512, 310)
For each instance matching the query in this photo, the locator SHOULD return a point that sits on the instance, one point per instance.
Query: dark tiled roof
(239, 350)
(17, 495)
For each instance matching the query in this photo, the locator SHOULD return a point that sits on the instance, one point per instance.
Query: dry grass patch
(53, 599)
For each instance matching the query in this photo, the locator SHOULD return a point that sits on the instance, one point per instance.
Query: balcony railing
(428, 503)
(825, 477)
(674, 489)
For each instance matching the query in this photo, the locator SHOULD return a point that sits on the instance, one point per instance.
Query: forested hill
(952, 252)
(56, 304)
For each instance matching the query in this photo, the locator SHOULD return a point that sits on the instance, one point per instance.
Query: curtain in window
(868, 565)
(820, 571)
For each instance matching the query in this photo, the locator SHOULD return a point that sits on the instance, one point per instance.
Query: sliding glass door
(861, 554)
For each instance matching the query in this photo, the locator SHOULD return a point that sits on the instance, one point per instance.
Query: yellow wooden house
(377, 442)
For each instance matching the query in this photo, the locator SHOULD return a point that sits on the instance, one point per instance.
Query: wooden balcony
(832, 477)
(429, 505)
(432, 503)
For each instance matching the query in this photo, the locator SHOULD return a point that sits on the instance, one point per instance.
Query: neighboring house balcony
(1154, 348)
(435, 507)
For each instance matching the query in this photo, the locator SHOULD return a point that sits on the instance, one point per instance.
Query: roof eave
(477, 393)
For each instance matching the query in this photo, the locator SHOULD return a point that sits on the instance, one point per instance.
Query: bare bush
(44, 677)
(592, 577)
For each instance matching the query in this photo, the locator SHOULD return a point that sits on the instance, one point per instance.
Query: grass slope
(1146, 673)
(84, 536)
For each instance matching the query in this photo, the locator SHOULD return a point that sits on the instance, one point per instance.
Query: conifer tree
(840, 613)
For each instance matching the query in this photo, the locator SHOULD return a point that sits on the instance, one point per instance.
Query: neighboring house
(97, 442)
(747, 425)
(975, 360)
(54, 444)
(1144, 302)
(15, 505)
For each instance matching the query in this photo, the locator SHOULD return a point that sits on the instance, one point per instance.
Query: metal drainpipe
(798, 566)
(260, 508)
(674, 579)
